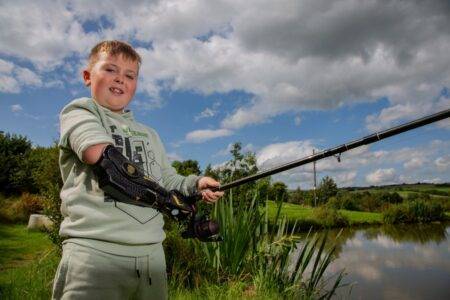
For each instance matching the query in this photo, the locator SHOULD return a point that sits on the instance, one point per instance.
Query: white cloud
(442, 163)
(247, 148)
(6, 66)
(289, 55)
(356, 161)
(16, 108)
(381, 176)
(200, 136)
(13, 77)
(208, 112)
(276, 154)
(8, 84)
(414, 163)
(43, 32)
(407, 111)
(27, 77)
(172, 156)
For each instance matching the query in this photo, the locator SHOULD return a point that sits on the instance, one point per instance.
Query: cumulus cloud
(414, 163)
(43, 32)
(276, 154)
(442, 163)
(8, 84)
(247, 148)
(208, 112)
(404, 165)
(406, 111)
(16, 108)
(381, 176)
(27, 77)
(172, 156)
(199, 136)
(13, 77)
(288, 55)
(6, 66)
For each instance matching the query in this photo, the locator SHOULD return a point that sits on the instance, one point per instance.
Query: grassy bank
(28, 262)
(305, 216)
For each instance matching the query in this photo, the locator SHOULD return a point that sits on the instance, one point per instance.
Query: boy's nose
(119, 79)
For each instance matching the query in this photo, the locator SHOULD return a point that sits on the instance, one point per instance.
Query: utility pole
(315, 181)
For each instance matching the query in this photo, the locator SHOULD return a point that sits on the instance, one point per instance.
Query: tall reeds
(262, 254)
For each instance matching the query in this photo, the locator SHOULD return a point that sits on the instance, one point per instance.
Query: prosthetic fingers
(125, 182)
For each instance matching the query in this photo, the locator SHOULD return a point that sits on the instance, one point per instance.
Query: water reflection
(394, 262)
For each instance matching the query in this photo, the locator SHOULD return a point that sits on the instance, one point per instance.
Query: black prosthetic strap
(123, 181)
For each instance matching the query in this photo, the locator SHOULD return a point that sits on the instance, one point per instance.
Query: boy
(112, 249)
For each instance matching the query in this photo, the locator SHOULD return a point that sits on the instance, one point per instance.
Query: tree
(13, 150)
(240, 165)
(263, 187)
(297, 196)
(327, 189)
(187, 167)
(278, 192)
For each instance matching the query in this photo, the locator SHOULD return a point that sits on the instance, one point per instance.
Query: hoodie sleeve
(187, 185)
(80, 128)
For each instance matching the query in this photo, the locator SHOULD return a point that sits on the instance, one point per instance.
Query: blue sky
(281, 77)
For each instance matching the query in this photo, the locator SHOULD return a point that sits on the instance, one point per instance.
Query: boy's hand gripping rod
(336, 151)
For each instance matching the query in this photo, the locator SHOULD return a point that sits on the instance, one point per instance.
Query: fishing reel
(196, 225)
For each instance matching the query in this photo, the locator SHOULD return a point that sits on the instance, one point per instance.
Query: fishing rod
(337, 151)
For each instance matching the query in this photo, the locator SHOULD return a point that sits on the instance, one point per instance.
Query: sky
(281, 77)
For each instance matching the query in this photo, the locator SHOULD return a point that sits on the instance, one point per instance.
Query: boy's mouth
(116, 91)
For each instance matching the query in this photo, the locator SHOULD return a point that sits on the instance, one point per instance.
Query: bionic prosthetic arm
(125, 182)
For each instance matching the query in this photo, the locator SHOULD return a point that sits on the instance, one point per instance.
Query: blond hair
(114, 48)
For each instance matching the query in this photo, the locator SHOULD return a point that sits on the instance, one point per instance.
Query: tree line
(29, 169)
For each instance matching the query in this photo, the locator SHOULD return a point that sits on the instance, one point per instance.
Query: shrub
(414, 211)
(391, 198)
(396, 214)
(52, 206)
(436, 192)
(259, 255)
(13, 150)
(19, 209)
(369, 202)
(329, 217)
(344, 200)
(184, 266)
(418, 196)
(30, 204)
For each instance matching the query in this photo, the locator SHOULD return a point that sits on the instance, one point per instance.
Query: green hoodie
(90, 217)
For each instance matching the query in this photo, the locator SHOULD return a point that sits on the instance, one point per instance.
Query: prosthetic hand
(122, 180)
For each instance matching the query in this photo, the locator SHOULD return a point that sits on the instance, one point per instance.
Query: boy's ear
(87, 77)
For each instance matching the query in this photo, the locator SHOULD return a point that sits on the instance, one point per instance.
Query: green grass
(28, 262)
(362, 217)
(404, 190)
(292, 211)
(226, 291)
(304, 215)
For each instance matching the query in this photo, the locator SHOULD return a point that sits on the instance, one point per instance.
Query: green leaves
(262, 254)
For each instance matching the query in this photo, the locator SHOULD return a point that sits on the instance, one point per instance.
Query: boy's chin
(111, 107)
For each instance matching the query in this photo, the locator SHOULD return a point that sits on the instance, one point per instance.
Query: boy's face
(113, 81)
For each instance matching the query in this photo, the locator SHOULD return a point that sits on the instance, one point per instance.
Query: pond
(394, 262)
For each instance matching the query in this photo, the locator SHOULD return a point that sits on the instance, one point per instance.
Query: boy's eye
(130, 77)
(109, 70)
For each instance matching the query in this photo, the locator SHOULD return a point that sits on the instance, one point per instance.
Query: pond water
(394, 262)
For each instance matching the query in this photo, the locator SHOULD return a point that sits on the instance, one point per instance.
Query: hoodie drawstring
(138, 260)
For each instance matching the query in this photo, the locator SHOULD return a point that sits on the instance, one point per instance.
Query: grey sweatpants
(87, 273)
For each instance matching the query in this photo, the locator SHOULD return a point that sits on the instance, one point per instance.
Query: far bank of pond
(394, 261)
(304, 217)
